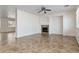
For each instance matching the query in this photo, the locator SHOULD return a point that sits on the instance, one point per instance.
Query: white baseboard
(26, 35)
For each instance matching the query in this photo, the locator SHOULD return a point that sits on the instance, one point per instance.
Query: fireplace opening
(45, 29)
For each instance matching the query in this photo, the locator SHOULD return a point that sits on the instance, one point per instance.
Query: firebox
(45, 28)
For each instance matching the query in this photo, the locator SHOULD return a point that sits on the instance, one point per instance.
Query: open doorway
(7, 25)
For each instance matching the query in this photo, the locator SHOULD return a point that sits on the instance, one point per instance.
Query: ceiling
(35, 8)
(55, 8)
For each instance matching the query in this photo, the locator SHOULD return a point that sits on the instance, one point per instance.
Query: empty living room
(39, 28)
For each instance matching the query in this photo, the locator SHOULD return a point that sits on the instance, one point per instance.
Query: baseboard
(27, 35)
(70, 35)
(55, 34)
(77, 42)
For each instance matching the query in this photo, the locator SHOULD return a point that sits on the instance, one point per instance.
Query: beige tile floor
(43, 44)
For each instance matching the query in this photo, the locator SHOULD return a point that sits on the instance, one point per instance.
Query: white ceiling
(35, 8)
(55, 8)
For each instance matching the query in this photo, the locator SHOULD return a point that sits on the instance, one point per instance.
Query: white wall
(77, 18)
(56, 25)
(69, 23)
(77, 24)
(44, 20)
(62, 23)
(27, 24)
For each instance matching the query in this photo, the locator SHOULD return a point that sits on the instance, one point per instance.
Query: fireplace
(45, 29)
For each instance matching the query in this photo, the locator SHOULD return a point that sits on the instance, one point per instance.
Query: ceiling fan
(44, 10)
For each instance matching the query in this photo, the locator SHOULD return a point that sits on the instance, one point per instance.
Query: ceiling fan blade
(42, 8)
(48, 9)
(45, 12)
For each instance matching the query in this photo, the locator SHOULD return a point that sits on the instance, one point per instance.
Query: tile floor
(43, 44)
